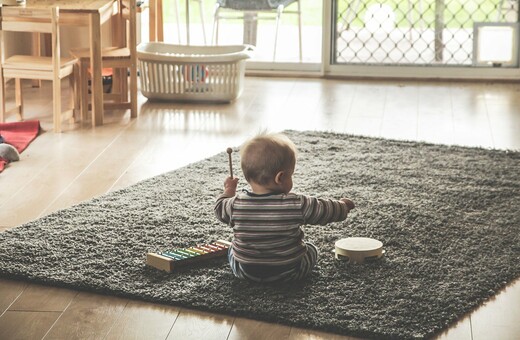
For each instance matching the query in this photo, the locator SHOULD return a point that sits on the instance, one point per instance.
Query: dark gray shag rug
(448, 216)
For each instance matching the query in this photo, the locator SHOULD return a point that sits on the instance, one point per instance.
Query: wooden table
(90, 13)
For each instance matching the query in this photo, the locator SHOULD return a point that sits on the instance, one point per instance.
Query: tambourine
(358, 249)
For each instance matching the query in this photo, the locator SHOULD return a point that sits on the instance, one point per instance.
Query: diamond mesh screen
(432, 32)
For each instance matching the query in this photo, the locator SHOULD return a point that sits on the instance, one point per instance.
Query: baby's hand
(349, 203)
(230, 186)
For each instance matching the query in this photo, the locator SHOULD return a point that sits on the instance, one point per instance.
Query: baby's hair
(264, 155)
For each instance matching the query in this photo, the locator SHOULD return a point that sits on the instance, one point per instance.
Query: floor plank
(78, 153)
(39, 298)
(141, 320)
(306, 334)
(9, 291)
(249, 329)
(35, 164)
(18, 325)
(191, 324)
(89, 316)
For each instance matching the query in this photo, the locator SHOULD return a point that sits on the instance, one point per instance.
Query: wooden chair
(122, 58)
(54, 67)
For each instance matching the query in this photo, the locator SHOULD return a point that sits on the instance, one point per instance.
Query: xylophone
(168, 260)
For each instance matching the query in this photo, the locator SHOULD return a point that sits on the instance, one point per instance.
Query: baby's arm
(224, 204)
(324, 210)
(349, 203)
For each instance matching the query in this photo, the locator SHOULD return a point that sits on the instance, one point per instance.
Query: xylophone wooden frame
(167, 263)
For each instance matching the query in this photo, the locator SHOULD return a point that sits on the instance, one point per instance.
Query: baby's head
(269, 159)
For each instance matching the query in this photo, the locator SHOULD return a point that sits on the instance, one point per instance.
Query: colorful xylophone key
(168, 260)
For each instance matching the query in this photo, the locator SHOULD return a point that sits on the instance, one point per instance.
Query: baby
(268, 241)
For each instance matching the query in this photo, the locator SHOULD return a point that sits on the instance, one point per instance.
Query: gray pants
(308, 262)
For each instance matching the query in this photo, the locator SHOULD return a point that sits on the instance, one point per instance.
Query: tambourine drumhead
(358, 249)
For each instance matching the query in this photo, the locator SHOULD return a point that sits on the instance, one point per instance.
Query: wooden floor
(58, 170)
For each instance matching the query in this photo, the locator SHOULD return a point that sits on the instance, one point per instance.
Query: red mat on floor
(19, 135)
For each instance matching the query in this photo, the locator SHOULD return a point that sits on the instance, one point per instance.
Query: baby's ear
(279, 176)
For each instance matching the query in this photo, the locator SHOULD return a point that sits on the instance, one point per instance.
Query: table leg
(96, 67)
(155, 21)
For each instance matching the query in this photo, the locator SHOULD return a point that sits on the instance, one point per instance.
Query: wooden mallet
(229, 151)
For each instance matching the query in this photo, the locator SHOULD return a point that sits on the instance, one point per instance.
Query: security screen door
(436, 33)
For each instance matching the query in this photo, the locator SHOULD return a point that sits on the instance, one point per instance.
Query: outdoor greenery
(457, 13)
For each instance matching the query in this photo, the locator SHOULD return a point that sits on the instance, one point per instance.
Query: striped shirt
(267, 228)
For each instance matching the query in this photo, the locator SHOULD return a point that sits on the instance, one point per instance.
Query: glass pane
(233, 29)
(414, 32)
(496, 44)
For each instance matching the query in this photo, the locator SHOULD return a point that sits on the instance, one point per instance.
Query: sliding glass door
(424, 38)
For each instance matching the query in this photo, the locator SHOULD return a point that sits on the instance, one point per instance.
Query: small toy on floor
(9, 152)
(358, 249)
(171, 259)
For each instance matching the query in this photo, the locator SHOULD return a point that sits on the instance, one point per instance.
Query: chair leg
(56, 99)
(118, 85)
(300, 30)
(178, 19)
(74, 97)
(83, 89)
(19, 97)
(76, 83)
(123, 87)
(133, 91)
(214, 33)
(278, 16)
(201, 10)
(2, 97)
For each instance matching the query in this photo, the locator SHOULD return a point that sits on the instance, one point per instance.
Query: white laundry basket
(192, 73)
